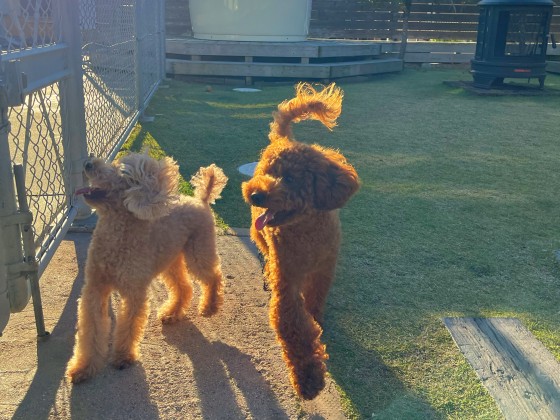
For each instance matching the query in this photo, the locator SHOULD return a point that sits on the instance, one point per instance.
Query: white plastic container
(250, 20)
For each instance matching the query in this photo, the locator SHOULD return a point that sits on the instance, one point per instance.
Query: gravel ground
(225, 367)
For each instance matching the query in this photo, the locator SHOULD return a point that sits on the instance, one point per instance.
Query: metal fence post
(137, 53)
(29, 263)
(14, 286)
(161, 32)
(72, 105)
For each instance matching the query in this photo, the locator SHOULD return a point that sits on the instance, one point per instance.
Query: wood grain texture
(325, 71)
(520, 374)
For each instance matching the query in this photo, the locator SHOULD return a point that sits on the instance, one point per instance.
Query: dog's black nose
(258, 198)
(88, 165)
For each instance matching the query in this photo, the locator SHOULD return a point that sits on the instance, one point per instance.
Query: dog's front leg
(92, 337)
(129, 330)
(299, 336)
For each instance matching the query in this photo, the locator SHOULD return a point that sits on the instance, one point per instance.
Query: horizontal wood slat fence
(375, 20)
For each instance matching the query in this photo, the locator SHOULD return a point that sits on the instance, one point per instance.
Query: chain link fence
(74, 78)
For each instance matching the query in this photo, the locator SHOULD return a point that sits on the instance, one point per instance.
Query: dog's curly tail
(208, 183)
(324, 105)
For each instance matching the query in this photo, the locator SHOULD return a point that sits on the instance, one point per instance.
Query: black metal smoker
(511, 41)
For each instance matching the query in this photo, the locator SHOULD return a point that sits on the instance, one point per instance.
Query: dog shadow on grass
(224, 377)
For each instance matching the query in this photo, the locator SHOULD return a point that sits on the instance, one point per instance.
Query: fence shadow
(112, 395)
(216, 366)
(54, 352)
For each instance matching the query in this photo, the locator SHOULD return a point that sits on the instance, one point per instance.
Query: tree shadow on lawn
(384, 395)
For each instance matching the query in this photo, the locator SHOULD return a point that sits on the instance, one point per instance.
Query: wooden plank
(553, 66)
(553, 51)
(339, 14)
(448, 58)
(441, 35)
(444, 8)
(443, 26)
(177, 17)
(361, 68)
(190, 46)
(444, 17)
(447, 47)
(365, 34)
(363, 24)
(349, 49)
(304, 49)
(224, 68)
(520, 374)
(177, 30)
(319, 4)
(467, 47)
(282, 70)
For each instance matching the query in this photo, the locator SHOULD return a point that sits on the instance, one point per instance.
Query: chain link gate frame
(75, 76)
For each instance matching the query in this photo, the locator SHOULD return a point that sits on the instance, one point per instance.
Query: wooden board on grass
(520, 374)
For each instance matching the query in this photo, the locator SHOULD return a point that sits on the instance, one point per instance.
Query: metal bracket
(24, 219)
(23, 268)
(19, 218)
(12, 84)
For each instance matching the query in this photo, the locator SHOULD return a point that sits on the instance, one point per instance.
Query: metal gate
(74, 78)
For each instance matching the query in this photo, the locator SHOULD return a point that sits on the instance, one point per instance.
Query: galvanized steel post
(14, 286)
(72, 106)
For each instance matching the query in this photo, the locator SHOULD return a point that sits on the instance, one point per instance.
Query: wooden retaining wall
(323, 60)
(454, 53)
(363, 19)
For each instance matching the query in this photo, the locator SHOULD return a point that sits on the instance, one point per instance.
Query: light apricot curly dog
(295, 193)
(144, 228)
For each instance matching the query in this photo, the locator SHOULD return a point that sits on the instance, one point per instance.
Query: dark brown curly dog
(295, 194)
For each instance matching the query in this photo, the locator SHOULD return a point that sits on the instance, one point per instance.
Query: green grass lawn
(458, 215)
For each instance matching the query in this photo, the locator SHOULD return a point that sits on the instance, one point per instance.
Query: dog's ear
(153, 185)
(335, 180)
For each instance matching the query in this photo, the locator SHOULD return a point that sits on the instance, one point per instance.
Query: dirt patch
(225, 367)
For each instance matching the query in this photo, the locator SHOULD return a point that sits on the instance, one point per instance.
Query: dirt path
(226, 367)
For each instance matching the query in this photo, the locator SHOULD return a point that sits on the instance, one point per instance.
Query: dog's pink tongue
(85, 190)
(263, 219)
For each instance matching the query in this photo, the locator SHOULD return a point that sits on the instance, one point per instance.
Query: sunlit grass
(458, 215)
(147, 143)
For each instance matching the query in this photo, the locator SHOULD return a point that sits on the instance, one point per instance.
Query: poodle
(144, 229)
(295, 194)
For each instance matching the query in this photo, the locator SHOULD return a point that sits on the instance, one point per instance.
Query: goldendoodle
(295, 194)
(145, 228)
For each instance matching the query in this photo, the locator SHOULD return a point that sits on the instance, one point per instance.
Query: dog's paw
(78, 374)
(310, 380)
(208, 310)
(123, 362)
(170, 317)
(210, 304)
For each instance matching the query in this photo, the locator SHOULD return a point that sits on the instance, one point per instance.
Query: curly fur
(295, 194)
(208, 183)
(144, 229)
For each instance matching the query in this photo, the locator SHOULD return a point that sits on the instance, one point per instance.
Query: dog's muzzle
(258, 199)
